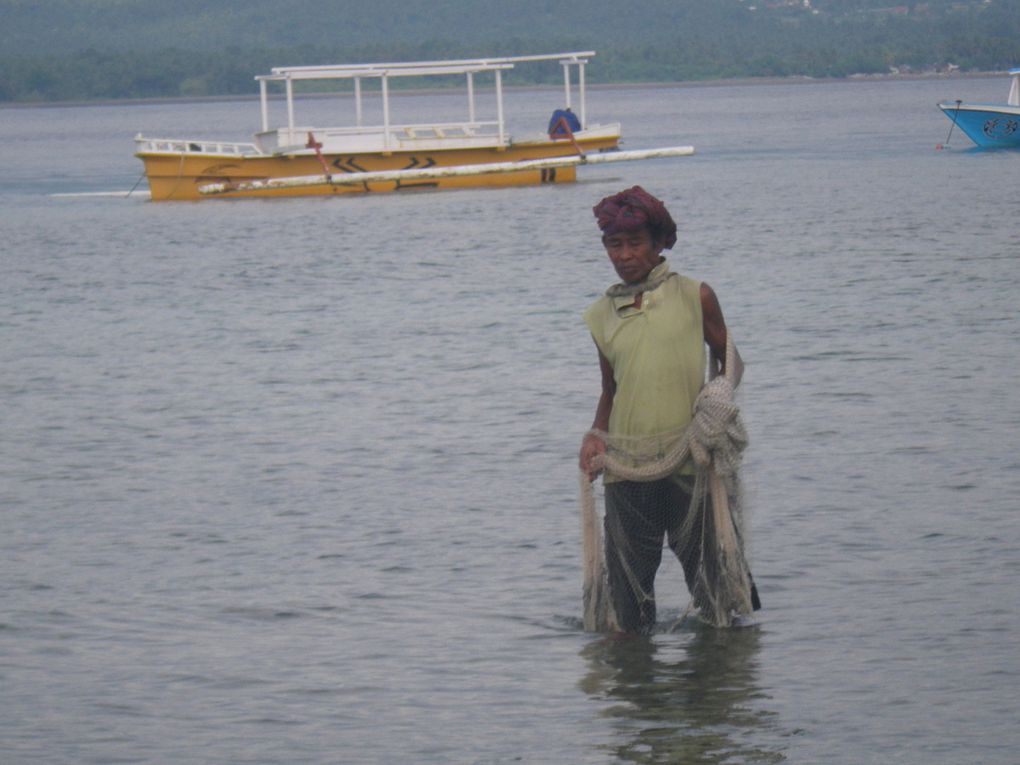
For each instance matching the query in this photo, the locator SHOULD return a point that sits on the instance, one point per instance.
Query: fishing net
(683, 487)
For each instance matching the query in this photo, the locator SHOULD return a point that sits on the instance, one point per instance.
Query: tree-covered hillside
(86, 49)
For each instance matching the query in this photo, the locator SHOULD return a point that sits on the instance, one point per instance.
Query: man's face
(633, 253)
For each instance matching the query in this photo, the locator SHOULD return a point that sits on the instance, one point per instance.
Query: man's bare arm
(715, 335)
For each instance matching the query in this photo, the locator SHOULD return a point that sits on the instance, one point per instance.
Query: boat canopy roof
(416, 68)
(287, 75)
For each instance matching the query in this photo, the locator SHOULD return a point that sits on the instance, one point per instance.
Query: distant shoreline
(731, 82)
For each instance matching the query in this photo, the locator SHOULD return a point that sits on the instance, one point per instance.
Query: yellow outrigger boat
(294, 160)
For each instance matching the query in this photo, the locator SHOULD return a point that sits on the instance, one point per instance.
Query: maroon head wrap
(632, 209)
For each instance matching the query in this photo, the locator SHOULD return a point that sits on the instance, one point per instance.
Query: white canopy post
(386, 111)
(566, 84)
(581, 91)
(499, 106)
(290, 106)
(471, 96)
(1014, 88)
(264, 98)
(358, 109)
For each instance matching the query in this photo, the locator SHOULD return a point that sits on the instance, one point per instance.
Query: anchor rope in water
(956, 114)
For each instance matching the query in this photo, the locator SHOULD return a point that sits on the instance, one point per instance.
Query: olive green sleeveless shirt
(658, 357)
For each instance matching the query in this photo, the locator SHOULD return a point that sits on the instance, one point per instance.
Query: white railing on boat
(185, 146)
(379, 138)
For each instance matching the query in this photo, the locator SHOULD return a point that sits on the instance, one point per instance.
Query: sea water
(295, 480)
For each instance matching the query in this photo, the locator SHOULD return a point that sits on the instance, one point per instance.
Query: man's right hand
(590, 458)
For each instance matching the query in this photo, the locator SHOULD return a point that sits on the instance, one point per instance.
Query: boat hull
(987, 125)
(180, 175)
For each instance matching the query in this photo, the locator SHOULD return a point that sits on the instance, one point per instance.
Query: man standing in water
(651, 331)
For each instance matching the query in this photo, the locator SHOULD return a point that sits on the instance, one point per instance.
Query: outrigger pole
(488, 168)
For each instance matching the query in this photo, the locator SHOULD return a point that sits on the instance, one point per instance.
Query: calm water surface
(294, 481)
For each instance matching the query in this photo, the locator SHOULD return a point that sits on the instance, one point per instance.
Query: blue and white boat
(989, 125)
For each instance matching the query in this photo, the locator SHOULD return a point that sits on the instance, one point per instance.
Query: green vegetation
(112, 49)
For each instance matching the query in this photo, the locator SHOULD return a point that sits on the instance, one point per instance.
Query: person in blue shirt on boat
(563, 122)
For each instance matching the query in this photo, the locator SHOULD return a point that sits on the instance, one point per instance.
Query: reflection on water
(690, 697)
